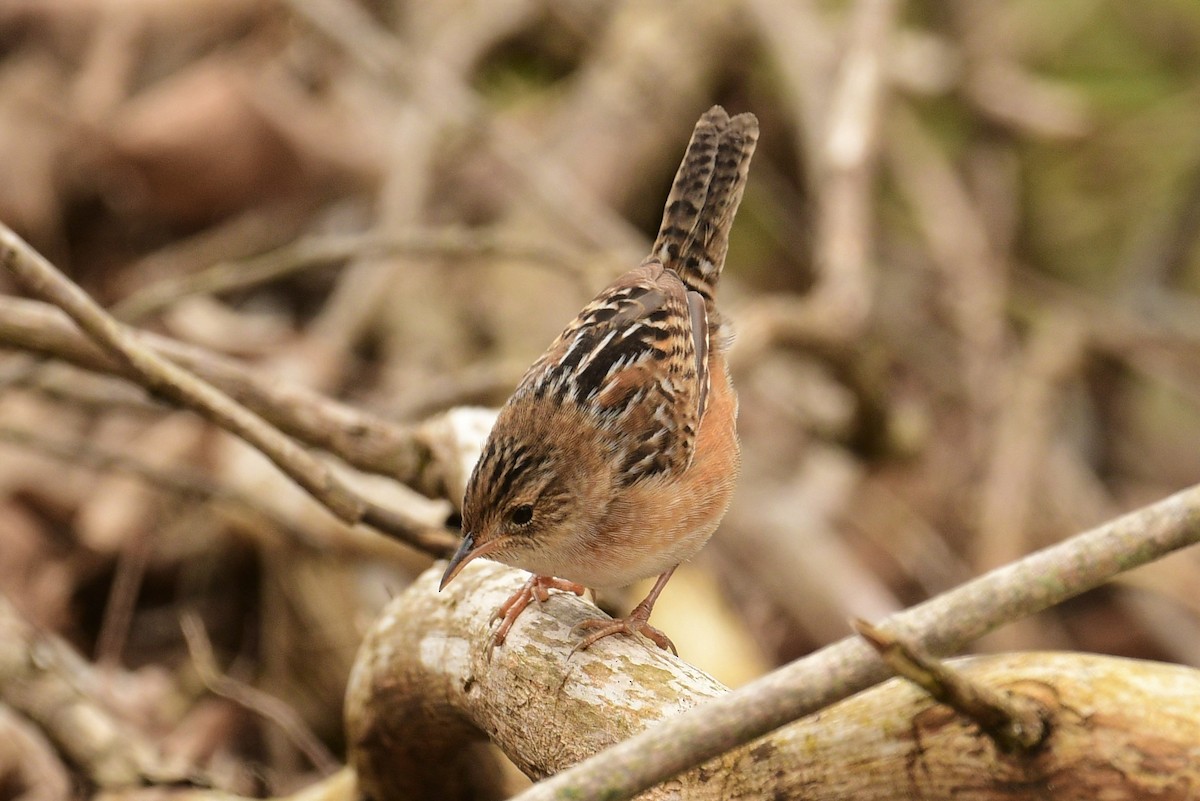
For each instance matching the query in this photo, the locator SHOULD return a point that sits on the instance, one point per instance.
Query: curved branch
(163, 377)
(424, 691)
(427, 684)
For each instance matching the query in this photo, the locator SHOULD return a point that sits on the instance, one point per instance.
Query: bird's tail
(694, 236)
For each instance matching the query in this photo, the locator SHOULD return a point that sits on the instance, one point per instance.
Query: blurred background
(965, 280)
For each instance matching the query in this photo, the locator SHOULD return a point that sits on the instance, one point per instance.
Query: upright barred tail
(694, 236)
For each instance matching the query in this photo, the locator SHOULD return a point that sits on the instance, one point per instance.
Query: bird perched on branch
(615, 458)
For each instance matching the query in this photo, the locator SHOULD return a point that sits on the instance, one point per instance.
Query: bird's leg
(635, 623)
(536, 587)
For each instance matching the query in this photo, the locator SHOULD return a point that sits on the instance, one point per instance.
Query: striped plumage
(615, 456)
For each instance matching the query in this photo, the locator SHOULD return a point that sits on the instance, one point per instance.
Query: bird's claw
(536, 588)
(634, 624)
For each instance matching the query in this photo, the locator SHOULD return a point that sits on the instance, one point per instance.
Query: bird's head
(529, 502)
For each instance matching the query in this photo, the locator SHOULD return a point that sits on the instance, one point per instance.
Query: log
(427, 693)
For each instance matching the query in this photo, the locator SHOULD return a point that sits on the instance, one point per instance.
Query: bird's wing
(635, 362)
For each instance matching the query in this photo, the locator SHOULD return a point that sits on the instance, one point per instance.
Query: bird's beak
(465, 553)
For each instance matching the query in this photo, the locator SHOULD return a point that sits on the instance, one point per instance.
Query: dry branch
(29, 768)
(941, 625)
(425, 690)
(186, 484)
(393, 62)
(412, 455)
(163, 377)
(840, 142)
(1015, 721)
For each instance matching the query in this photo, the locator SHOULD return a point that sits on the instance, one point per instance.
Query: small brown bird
(615, 458)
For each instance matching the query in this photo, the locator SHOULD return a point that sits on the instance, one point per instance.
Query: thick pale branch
(425, 690)
(427, 684)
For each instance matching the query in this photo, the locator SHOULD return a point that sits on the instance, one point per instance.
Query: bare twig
(1004, 89)
(265, 525)
(186, 484)
(389, 60)
(65, 384)
(122, 598)
(253, 231)
(805, 51)
(893, 524)
(1014, 722)
(31, 769)
(841, 142)
(1023, 434)
(606, 136)
(846, 167)
(791, 546)
(171, 381)
(974, 277)
(941, 625)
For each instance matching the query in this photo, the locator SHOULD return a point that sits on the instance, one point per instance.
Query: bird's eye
(522, 515)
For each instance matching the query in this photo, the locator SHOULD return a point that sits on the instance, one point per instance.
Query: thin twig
(974, 282)
(306, 254)
(122, 598)
(842, 145)
(32, 767)
(244, 512)
(171, 381)
(1023, 433)
(846, 168)
(390, 60)
(1014, 722)
(261, 703)
(67, 385)
(255, 230)
(941, 625)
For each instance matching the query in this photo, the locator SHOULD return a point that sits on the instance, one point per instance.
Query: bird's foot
(636, 623)
(537, 587)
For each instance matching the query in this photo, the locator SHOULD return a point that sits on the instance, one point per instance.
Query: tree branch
(941, 625)
(425, 457)
(427, 686)
(163, 377)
